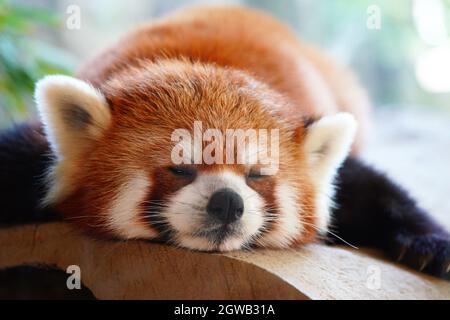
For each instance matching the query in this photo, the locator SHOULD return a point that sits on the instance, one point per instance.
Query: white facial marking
(288, 225)
(187, 211)
(123, 217)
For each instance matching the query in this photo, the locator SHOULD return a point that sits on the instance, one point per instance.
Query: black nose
(225, 205)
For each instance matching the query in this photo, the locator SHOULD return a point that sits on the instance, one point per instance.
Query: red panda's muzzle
(225, 206)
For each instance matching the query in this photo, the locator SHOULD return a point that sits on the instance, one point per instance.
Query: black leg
(373, 211)
(24, 159)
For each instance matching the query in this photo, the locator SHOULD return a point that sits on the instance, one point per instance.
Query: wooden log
(142, 270)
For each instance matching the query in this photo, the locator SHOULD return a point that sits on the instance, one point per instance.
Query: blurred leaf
(24, 59)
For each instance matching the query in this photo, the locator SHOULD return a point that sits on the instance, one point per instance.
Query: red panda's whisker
(330, 232)
(151, 215)
(166, 204)
(155, 203)
(77, 217)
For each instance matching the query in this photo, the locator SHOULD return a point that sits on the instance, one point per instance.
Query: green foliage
(23, 58)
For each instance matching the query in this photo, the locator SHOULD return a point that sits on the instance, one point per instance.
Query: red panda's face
(150, 157)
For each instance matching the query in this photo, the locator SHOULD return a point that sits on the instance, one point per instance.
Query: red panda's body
(216, 65)
(114, 129)
(191, 66)
(245, 40)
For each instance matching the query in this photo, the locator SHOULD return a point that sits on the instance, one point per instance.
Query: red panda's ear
(327, 144)
(73, 113)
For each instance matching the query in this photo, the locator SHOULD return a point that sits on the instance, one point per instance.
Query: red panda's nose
(225, 205)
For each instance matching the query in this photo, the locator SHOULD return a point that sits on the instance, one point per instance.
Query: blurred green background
(403, 62)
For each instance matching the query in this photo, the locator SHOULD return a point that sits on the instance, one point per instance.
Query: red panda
(111, 129)
(228, 68)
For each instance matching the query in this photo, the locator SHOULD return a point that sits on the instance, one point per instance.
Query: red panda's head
(127, 158)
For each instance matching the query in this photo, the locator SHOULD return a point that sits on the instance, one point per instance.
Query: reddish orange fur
(166, 74)
(246, 40)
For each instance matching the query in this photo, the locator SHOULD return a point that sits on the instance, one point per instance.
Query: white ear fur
(74, 114)
(328, 142)
(72, 111)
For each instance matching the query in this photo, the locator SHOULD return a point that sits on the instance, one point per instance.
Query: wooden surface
(136, 269)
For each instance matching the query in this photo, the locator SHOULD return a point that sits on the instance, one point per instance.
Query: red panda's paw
(428, 253)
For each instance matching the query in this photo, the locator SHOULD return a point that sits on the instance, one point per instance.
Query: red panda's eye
(184, 172)
(255, 174)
